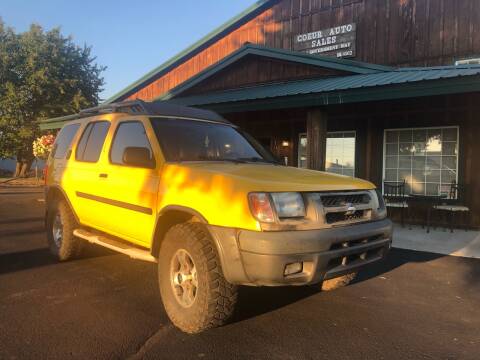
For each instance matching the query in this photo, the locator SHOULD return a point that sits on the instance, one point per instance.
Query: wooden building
(384, 90)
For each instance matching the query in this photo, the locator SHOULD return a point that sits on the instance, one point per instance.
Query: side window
(128, 134)
(90, 145)
(64, 140)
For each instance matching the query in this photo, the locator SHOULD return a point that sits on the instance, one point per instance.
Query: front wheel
(195, 294)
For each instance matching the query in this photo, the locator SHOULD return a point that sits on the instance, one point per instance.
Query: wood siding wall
(394, 32)
(257, 70)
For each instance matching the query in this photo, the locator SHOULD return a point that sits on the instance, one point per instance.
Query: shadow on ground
(25, 260)
(255, 301)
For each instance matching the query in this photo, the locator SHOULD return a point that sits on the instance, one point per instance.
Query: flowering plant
(42, 146)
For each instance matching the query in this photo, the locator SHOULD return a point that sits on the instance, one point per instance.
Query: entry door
(340, 152)
(132, 191)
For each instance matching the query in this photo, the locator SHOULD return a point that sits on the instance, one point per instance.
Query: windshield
(191, 140)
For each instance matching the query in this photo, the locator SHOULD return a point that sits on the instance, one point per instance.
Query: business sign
(337, 41)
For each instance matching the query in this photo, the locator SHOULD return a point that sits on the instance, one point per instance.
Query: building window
(340, 155)
(426, 158)
(474, 61)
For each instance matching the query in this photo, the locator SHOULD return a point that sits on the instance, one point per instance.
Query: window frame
(81, 136)
(384, 155)
(113, 140)
(329, 133)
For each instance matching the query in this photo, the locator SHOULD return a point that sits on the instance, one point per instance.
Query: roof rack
(140, 107)
(136, 107)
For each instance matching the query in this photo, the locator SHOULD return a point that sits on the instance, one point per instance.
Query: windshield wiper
(235, 161)
(259, 160)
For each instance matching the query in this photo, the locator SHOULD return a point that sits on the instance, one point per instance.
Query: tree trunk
(22, 168)
(23, 165)
(18, 168)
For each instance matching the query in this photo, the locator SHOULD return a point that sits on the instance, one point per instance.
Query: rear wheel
(60, 226)
(338, 282)
(195, 294)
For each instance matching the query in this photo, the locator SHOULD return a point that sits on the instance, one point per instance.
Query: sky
(129, 37)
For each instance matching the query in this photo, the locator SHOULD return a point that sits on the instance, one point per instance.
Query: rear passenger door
(84, 181)
(133, 189)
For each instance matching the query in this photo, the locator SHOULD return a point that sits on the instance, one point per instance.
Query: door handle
(103, 176)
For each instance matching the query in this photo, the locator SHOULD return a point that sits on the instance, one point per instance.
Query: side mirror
(138, 157)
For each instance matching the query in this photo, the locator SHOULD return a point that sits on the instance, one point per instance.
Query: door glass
(302, 151)
(91, 143)
(128, 134)
(340, 155)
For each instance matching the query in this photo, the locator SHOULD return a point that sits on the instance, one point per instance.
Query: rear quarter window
(91, 143)
(64, 141)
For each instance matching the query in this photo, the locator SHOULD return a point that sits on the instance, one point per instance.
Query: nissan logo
(350, 209)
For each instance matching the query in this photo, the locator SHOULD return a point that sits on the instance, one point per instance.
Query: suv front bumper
(260, 258)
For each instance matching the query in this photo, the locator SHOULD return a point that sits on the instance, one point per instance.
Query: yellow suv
(187, 189)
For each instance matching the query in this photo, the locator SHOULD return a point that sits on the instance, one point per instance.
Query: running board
(115, 245)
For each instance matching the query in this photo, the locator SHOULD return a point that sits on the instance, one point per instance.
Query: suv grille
(336, 200)
(343, 208)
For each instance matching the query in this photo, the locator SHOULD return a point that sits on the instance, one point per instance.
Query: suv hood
(218, 191)
(269, 178)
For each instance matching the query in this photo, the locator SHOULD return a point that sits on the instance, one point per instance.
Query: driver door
(132, 189)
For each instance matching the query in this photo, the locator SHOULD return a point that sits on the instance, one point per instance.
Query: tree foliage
(42, 75)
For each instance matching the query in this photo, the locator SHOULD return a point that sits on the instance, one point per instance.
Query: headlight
(289, 205)
(286, 205)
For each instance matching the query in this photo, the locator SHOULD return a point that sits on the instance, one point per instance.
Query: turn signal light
(261, 207)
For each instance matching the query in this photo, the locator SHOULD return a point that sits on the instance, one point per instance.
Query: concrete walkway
(459, 243)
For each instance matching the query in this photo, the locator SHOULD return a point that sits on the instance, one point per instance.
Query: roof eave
(390, 92)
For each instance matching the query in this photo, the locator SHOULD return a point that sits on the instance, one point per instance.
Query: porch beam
(316, 138)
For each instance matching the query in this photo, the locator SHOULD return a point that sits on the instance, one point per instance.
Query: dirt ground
(21, 182)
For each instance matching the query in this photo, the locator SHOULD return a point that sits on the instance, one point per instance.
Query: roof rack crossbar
(130, 107)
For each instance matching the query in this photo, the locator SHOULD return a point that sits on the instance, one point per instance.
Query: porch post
(369, 154)
(316, 138)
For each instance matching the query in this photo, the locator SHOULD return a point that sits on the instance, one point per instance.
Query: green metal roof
(351, 66)
(395, 84)
(198, 46)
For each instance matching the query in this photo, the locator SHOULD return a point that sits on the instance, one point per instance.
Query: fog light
(293, 268)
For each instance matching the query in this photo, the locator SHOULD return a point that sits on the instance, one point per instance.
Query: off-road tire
(71, 246)
(341, 281)
(215, 298)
